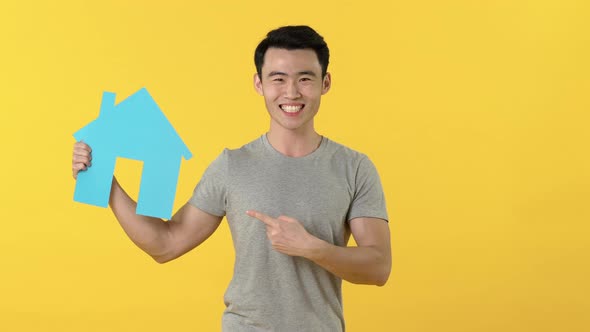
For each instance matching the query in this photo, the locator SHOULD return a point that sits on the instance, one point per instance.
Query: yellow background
(476, 114)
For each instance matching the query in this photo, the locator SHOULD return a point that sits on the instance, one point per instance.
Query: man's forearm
(148, 233)
(359, 265)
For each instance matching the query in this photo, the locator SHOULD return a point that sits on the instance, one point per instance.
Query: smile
(291, 108)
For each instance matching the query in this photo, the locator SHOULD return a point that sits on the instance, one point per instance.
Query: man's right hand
(81, 159)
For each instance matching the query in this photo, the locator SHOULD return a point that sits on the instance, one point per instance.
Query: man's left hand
(287, 235)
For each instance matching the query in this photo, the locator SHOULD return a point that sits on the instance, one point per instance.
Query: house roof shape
(136, 128)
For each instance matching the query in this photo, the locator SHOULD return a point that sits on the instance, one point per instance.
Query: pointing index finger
(261, 216)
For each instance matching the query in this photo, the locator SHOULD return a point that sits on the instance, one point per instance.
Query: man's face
(292, 85)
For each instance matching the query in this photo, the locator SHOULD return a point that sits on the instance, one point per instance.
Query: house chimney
(107, 106)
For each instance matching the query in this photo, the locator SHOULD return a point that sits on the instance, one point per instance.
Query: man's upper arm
(374, 233)
(188, 228)
(192, 225)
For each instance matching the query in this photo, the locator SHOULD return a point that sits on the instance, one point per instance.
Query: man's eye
(305, 79)
(277, 80)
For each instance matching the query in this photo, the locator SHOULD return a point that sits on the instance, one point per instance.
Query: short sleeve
(210, 194)
(368, 200)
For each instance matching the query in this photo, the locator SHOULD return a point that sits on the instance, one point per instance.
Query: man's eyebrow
(307, 72)
(276, 73)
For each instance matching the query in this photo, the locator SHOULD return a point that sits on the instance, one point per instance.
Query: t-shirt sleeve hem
(212, 211)
(383, 217)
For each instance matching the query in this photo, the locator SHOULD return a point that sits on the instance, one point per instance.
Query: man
(291, 198)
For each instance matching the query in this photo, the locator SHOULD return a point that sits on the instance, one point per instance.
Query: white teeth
(291, 109)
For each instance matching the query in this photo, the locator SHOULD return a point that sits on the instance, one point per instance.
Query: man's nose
(292, 90)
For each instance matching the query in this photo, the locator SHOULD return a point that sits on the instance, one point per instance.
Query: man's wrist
(317, 249)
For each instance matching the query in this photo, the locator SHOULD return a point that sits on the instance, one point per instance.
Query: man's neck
(294, 143)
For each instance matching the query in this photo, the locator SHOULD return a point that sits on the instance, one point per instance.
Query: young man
(291, 197)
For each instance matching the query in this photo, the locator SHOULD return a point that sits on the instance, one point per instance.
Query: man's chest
(319, 197)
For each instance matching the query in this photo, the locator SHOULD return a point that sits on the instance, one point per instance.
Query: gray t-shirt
(271, 291)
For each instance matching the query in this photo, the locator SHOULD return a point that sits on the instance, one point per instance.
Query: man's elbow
(378, 278)
(381, 280)
(383, 275)
(161, 259)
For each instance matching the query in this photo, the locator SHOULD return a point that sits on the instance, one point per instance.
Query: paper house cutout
(135, 129)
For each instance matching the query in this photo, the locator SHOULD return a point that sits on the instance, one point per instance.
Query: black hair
(293, 38)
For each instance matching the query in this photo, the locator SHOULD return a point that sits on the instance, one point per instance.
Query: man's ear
(258, 84)
(326, 83)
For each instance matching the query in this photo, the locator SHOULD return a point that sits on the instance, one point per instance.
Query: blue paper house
(135, 129)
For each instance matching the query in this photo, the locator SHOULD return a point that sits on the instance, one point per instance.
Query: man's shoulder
(246, 151)
(251, 147)
(341, 151)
